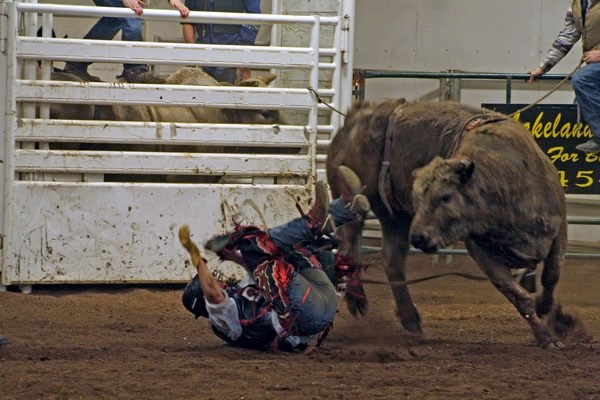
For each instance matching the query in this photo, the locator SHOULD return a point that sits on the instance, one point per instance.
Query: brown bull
(198, 114)
(384, 142)
(70, 111)
(500, 194)
(193, 114)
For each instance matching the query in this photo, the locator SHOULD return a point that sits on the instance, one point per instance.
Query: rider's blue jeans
(297, 230)
(311, 293)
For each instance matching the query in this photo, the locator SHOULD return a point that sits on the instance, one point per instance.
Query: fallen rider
(290, 293)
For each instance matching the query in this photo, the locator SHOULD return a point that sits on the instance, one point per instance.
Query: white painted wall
(508, 36)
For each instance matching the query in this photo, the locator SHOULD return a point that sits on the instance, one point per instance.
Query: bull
(512, 214)
(500, 194)
(199, 114)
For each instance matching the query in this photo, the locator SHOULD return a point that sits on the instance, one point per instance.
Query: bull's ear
(266, 79)
(465, 170)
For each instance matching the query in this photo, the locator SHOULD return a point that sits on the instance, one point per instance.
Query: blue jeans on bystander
(586, 84)
(107, 28)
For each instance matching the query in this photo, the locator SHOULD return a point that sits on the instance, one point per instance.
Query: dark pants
(107, 28)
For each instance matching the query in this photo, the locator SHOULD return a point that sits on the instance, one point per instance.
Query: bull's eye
(445, 199)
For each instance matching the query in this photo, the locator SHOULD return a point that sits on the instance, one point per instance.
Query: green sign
(557, 132)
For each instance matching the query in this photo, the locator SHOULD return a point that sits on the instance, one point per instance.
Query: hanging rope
(321, 101)
(554, 89)
(425, 278)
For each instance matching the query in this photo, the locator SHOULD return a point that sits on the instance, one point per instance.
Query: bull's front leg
(501, 277)
(395, 249)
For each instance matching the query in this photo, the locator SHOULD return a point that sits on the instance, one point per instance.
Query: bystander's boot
(591, 146)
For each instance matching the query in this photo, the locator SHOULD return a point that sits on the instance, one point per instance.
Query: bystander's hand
(135, 5)
(535, 74)
(592, 56)
(179, 6)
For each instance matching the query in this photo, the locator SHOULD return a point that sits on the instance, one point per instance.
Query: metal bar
(33, 48)
(55, 130)
(10, 124)
(583, 221)
(348, 13)
(457, 75)
(314, 73)
(134, 162)
(194, 17)
(170, 95)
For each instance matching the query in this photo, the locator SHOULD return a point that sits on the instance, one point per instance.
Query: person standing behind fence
(222, 33)
(131, 30)
(582, 21)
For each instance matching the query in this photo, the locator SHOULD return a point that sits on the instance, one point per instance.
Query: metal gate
(87, 201)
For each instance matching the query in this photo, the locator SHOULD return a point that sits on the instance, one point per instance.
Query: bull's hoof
(553, 345)
(413, 327)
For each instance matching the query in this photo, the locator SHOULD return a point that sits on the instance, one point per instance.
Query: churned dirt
(124, 342)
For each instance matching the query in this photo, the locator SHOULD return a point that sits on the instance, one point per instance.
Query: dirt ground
(109, 342)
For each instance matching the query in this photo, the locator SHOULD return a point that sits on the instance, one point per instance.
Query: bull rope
(474, 122)
(425, 278)
(384, 172)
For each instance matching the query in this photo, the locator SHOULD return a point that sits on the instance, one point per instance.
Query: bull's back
(514, 160)
(417, 133)
(517, 177)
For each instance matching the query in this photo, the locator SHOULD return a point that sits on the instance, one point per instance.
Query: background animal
(198, 114)
(500, 194)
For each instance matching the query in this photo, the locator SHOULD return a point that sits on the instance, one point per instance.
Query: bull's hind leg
(395, 249)
(501, 277)
(550, 276)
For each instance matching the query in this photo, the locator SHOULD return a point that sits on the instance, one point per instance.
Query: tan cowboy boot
(318, 216)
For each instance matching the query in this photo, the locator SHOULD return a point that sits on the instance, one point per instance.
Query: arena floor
(109, 342)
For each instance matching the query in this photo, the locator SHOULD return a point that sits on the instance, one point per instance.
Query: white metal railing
(29, 48)
(68, 223)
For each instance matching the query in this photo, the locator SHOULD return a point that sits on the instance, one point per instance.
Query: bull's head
(268, 117)
(441, 203)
